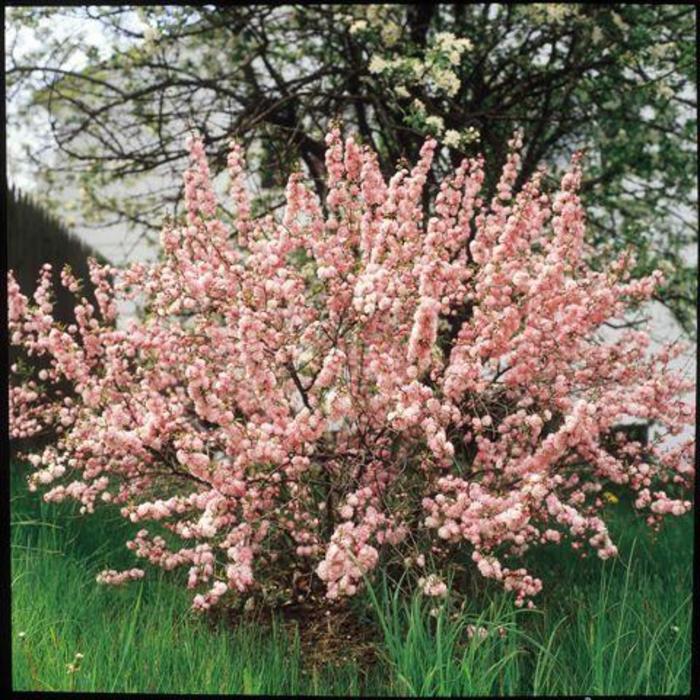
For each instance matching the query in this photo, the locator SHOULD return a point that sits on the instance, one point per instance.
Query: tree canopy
(617, 82)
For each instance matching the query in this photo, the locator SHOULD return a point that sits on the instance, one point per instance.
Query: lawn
(616, 627)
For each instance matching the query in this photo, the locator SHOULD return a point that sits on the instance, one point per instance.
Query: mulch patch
(330, 633)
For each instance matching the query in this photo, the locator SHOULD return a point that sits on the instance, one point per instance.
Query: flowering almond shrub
(359, 384)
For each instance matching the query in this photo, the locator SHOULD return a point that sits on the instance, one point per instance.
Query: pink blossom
(355, 382)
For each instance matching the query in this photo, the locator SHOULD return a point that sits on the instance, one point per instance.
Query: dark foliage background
(34, 237)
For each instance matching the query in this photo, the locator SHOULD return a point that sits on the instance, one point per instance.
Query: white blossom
(391, 33)
(446, 80)
(359, 26)
(452, 138)
(619, 22)
(377, 64)
(436, 122)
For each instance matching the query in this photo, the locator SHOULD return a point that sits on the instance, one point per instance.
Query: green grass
(619, 627)
(138, 638)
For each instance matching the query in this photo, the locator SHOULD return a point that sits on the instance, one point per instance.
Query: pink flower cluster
(432, 585)
(359, 381)
(117, 578)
